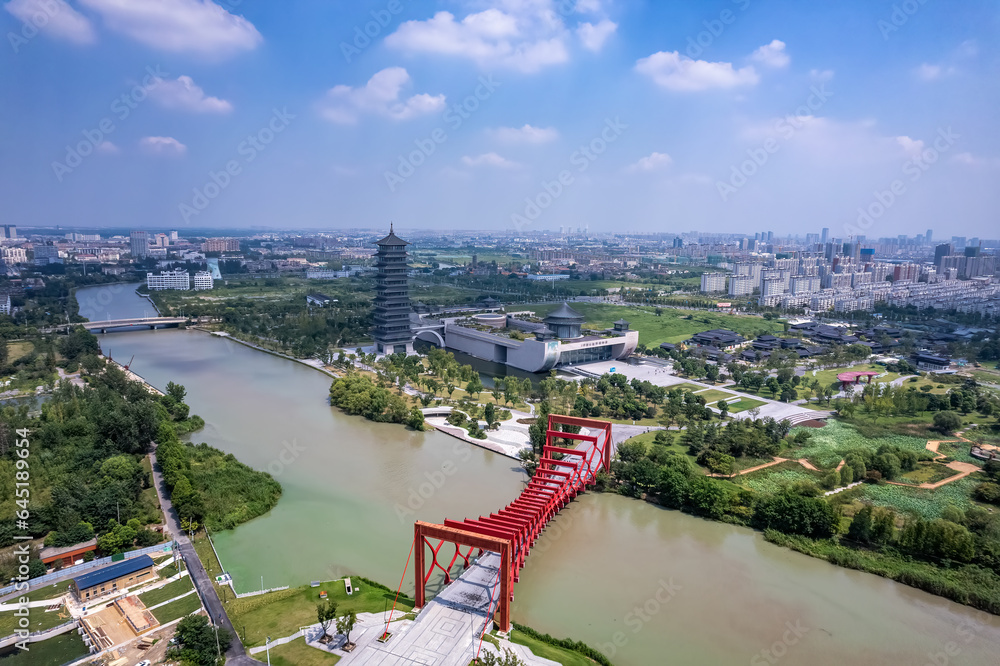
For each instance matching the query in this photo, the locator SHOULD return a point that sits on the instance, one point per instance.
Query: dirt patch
(526, 421)
(812, 423)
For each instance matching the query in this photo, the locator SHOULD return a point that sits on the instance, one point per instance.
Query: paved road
(236, 654)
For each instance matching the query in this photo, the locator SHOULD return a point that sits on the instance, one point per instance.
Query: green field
(282, 613)
(167, 592)
(828, 445)
(38, 619)
(918, 501)
(712, 395)
(56, 651)
(206, 554)
(773, 479)
(672, 326)
(927, 472)
(177, 609)
(16, 350)
(829, 377)
(546, 651)
(297, 653)
(686, 386)
(743, 404)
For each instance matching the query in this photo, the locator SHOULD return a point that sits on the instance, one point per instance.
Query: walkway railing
(561, 475)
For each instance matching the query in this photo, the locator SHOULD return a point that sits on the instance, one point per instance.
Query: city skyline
(728, 116)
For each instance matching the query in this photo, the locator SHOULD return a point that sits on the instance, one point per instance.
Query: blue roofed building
(114, 578)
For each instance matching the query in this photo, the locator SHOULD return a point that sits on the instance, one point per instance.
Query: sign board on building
(723, 305)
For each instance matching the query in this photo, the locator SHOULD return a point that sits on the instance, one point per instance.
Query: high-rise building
(741, 285)
(713, 282)
(929, 236)
(221, 245)
(392, 331)
(940, 252)
(9, 231)
(825, 236)
(139, 244)
(173, 236)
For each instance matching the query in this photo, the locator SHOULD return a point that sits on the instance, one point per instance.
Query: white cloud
(968, 159)
(652, 162)
(771, 55)
(55, 18)
(184, 94)
(107, 148)
(380, 96)
(527, 37)
(489, 159)
(820, 75)
(162, 145)
(674, 71)
(912, 147)
(194, 26)
(929, 72)
(593, 36)
(525, 134)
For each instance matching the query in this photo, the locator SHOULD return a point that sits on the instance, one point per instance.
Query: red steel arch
(561, 475)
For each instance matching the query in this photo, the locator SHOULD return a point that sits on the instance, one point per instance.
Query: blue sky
(868, 117)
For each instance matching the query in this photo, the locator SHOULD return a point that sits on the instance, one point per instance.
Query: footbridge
(508, 534)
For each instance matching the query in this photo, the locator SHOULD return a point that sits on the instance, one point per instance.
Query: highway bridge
(108, 325)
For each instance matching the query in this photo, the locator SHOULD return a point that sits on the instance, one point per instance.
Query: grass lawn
(648, 439)
(684, 387)
(167, 592)
(297, 653)
(177, 609)
(673, 325)
(712, 395)
(282, 613)
(51, 591)
(38, 618)
(168, 571)
(59, 650)
(927, 473)
(924, 381)
(959, 451)
(16, 350)
(546, 651)
(743, 404)
(981, 375)
(207, 555)
(829, 377)
(922, 502)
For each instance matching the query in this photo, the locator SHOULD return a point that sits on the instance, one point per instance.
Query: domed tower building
(392, 331)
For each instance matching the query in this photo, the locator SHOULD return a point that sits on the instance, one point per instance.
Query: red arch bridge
(561, 475)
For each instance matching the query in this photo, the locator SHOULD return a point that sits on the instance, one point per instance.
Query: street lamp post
(268, 648)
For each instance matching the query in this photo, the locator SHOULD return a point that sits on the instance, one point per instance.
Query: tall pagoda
(392, 331)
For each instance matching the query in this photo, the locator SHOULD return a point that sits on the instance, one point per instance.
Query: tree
(475, 386)
(325, 615)
(196, 641)
(861, 526)
(947, 422)
(507, 658)
(415, 419)
(723, 408)
(490, 414)
(176, 391)
(345, 625)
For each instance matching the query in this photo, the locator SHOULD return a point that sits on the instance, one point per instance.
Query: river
(643, 584)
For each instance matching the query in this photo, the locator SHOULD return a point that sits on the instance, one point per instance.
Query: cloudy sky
(865, 116)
